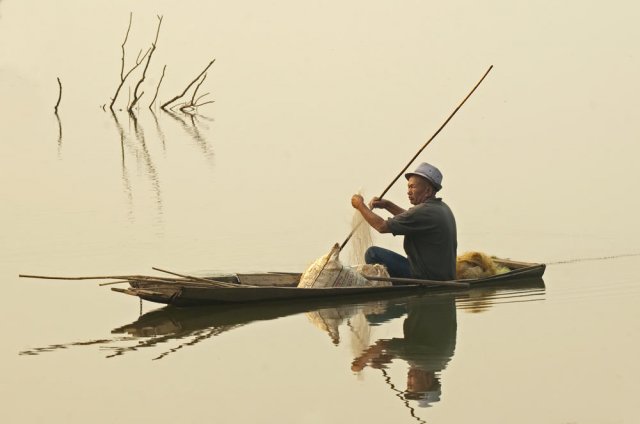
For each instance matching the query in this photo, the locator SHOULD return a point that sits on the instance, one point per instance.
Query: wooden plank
(269, 279)
(513, 264)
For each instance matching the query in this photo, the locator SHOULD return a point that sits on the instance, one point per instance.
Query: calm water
(313, 102)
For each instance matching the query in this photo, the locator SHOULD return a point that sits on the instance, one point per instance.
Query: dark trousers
(397, 265)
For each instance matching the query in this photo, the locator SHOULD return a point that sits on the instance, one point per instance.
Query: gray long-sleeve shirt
(430, 239)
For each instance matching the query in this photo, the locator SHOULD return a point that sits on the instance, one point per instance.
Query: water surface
(313, 102)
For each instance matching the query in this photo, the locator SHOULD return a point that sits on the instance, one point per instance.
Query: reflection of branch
(151, 169)
(206, 118)
(59, 132)
(160, 133)
(158, 87)
(125, 176)
(197, 135)
(55, 109)
(193, 131)
(137, 96)
(188, 86)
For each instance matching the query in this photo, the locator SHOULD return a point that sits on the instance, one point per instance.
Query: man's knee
(371, 255)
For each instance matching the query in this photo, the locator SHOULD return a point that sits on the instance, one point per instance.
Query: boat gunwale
(189, 294)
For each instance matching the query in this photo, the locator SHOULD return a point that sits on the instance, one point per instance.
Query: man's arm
(376, 221)
(386, 204)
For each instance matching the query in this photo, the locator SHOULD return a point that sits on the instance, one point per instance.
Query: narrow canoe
(282, 286)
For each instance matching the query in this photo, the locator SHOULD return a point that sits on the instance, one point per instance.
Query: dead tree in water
(137, 96)
(158, 87)
(186, 106)
(124, 76)
(164, 106)
(55, 109)
(193, 104)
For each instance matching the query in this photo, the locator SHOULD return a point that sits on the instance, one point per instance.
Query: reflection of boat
(193, 325)
(174, 321)
(282, 286)
(186, 327)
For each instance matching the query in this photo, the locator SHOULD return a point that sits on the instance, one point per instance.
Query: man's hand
(379, 203)
(357, 201)
(371, 217)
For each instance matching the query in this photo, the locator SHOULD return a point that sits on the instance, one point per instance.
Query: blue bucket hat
(430, 172)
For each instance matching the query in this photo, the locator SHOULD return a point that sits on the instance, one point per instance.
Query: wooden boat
(277, 286)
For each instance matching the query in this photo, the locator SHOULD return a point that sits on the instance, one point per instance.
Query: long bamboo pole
(103, 277)
(422, 148)
(203, 280)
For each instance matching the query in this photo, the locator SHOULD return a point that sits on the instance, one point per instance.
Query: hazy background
(313, 102)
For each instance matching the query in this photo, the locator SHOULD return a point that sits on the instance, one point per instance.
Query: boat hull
(282, 286)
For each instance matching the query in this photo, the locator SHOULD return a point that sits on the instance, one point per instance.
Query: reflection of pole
(399, 394)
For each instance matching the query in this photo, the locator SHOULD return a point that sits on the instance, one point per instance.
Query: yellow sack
(477, 265)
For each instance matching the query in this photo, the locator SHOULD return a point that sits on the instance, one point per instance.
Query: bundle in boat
(477, 265)
(328, 271)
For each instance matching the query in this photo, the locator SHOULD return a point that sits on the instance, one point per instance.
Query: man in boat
(429, 229)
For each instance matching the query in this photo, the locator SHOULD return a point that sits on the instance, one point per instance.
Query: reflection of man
(428, 345)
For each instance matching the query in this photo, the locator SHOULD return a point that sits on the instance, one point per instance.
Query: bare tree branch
(198, 99)
(123, 75)
(188, 87)
(126, 37)
(138, 62)
(195, 92)
(136, 97)
(158, 87)
(205, 103)
(59, 96)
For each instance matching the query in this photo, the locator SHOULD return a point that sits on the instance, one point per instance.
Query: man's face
(418, 190)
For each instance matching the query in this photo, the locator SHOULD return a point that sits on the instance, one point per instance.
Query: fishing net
(328, 271)
(361, 238)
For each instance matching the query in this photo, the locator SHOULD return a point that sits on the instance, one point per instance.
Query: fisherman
(429, 229)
